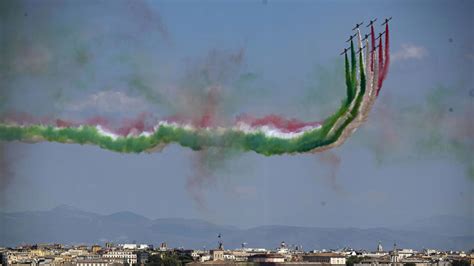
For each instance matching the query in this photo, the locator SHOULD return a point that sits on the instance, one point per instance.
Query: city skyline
(440, 232)
(145, 254)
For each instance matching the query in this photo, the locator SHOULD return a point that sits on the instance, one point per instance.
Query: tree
(460, 263)
(154, 260)
(185, 258)
(353, 260)
(169, 259)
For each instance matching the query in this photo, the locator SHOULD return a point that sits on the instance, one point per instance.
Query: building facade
(330, 258)
(121, 256)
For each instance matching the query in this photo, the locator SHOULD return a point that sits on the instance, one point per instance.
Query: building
(325, 257)
(121, 256)
(394, 257)
(142, 257)
(96, 248)
(93, 262)
(379, 252)
(200, 255)
(49, 246)
(283, 249)
(240, 255)
(2, 258)
(136, 246)
(17, 257)
(229, 256)
(163, 246)
(217, 255)
(266, 258)
(379, 247)
(204, 258)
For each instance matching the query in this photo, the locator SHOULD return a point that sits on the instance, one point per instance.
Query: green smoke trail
(348, 79)
(353, 69)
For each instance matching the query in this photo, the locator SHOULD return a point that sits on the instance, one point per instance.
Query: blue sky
(411, 159)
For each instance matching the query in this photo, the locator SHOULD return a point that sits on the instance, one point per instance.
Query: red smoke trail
(65, 123)
(22, 118)
(97, 121)
(379, 82)
(200, 178)
(333, 161)
(208, 116)
(204, 160)
(135, 126)
(205, 111)
(206, 164)
(372, 42)
(387, 53)
(384, 68)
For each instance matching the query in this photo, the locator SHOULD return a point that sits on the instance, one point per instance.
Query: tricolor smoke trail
(269, 135)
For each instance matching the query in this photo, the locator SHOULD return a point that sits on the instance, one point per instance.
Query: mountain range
(69, 225)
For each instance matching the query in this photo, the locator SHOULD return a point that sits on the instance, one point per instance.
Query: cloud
(409, 51)
(470, 56)
(108, 101)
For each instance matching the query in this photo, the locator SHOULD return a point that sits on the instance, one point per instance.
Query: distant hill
(72, 226)
(442, 224)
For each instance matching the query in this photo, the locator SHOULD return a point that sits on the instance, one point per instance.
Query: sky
(412, 159)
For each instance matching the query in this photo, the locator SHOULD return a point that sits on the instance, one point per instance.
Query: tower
(394, 259)
(218, 254)
(220, 245)
(379, 247)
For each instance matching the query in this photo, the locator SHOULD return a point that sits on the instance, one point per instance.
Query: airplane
(371, 22)
(375, 48)
(366, 36)
(345, 51)
(358, 25)
(360, 49)
(386, 20)
(380, 35)
(351, 37)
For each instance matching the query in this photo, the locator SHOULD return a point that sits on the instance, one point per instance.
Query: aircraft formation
(366, 36)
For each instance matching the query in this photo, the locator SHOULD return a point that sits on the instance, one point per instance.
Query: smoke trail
(372, 43)
(203, 160)
(201, 130)
(348, 80)
(201, 177)
(148, 18)
(353, 68)
(380, 63)
(207, 165)
(384, 64)
(387, 54)
(333, 162)
(200, 96)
